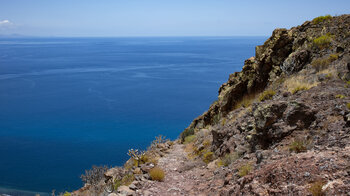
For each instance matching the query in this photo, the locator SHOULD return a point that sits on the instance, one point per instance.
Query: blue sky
(159, 17)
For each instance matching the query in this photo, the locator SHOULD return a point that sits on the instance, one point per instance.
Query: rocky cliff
(281, 126)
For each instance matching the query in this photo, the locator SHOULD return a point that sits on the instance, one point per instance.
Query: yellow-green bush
(244, 170)
(189, 139)
(340, 96)
(298, 146)
(208, 157)
(320, 19)
(316, 188)
(323, 41)
(157, 174)
(348, 105)
(67, 194)
(266, 95)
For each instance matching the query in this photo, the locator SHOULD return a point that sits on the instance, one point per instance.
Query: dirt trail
(177, 181)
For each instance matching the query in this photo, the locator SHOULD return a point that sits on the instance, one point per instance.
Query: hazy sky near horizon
(159, 17)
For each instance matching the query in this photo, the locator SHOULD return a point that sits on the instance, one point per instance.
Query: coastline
(15, 192)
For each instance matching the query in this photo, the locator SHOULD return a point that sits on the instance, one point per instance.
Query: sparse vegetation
(348, 105)
(94, 175)
(128, 179)
(244, 170)
(229, 158)
(316, 188)
(298, 145)
(185, 133)
(323, 41)
(322, 63)
(266, 95)
(189, 139)
(117, 184)
(340, 96)
(347, 85)
(208, 157)
(157, 174)
(320, 19)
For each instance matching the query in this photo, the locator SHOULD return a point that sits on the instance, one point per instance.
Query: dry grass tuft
(157, 174)
(298, 83)
(316, 188)
(266, 95)
(246, 100)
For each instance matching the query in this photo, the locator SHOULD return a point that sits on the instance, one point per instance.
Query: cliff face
(281, 126)
(284, 53)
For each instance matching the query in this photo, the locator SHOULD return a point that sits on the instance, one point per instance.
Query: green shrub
(348, 105)
(340, 96)
(323, 41)
(189, 139)
(298, 146)
(157, 174)
(208, 157)
(186, 132)
(266, 95)
(244, 170)
(320, 19)
(316, 188)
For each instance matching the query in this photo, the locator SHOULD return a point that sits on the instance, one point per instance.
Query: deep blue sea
(69, 103)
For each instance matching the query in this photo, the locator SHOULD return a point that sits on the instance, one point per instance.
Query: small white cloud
(5, 22)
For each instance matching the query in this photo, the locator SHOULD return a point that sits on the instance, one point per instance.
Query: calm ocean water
(69, 103)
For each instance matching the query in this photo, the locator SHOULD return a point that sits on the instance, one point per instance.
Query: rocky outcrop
(284, 53)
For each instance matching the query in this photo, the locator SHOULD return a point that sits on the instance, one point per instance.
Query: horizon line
(142, 36)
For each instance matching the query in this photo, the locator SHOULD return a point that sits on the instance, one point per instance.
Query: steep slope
(281, 126)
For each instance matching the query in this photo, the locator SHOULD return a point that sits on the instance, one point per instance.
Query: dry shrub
(298, 145)
(316, 188)
(157, 174)
(94, 175)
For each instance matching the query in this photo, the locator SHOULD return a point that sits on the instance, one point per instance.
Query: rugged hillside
(281, 126)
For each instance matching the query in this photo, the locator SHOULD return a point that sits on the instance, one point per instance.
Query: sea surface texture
(69, 103)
